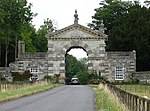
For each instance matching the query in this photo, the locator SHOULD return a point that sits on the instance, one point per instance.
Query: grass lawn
(14, 94)
(106, 101)
(138, 89)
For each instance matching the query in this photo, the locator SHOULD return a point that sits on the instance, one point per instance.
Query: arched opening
(76, 65)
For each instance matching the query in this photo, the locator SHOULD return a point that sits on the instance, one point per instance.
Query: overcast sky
(62, 12)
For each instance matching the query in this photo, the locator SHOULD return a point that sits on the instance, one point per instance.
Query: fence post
(132, 103)
(143, 105)
(136, 104)
(5, 87)
(0, 87)
(139, 104)
(128, 101)
(148, 105)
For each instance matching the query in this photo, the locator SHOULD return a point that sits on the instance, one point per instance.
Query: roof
(77, 27)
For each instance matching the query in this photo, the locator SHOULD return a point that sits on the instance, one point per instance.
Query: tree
(127, 28)
(132, 33)
(83, 76)
(75, 68)
(13, 14)
(109, 11)
(39, 41)
(147, 3)
(71, 67)
(28, 34)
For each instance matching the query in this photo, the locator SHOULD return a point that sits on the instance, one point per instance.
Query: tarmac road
(64, 98)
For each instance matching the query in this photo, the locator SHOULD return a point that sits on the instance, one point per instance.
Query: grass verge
(14, 94)
(106, 101)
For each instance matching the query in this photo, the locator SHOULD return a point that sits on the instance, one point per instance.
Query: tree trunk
(16, 47)
(6, 58)
(0, 55)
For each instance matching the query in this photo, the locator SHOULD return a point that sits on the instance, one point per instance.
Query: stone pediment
(76, 31)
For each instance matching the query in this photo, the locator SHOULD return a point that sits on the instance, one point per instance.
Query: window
(34, 70)
(119, 73)
(35, 73)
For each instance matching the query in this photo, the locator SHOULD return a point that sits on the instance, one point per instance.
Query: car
(74, 81)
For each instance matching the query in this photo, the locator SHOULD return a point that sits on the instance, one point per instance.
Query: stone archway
(76, 36)
(53, 61)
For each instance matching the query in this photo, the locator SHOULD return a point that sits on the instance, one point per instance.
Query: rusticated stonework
(75, 36)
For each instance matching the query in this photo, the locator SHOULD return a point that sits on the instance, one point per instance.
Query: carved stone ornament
(102, 27)
(76, 17)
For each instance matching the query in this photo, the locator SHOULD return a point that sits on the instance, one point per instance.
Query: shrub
(26, 75)
(21, 77)
(48, 78)
(94, 78)
(2, 78)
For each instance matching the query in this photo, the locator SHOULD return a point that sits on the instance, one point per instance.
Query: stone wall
(2, 70)
(25, 64)
(75, 36)
(57, 51)
(125, 59)
(30, 55)
(143, 76)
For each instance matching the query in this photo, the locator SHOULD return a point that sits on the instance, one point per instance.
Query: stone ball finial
(76, 17)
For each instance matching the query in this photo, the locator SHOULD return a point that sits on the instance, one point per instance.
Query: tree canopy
(16, 24)
(76, 68)
(127, 28)
(14, 14)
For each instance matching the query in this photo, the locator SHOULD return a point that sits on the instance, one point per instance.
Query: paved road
(64, 98)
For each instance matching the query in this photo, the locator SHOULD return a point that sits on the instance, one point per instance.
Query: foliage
(94, 78)
(16, 76)
(83, 77)
(21, 77)
(28, 35)
(25, 90)
(56, 78)
(48, 78)
(126, 23)
(40, 40)
(78, 68)
(26, 75)
(109, 11)
(75, 68)
(2, 78)
(105, 101)
(14, 13)
(134, 31)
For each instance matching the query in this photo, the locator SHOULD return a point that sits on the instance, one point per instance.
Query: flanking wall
(143, 76)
